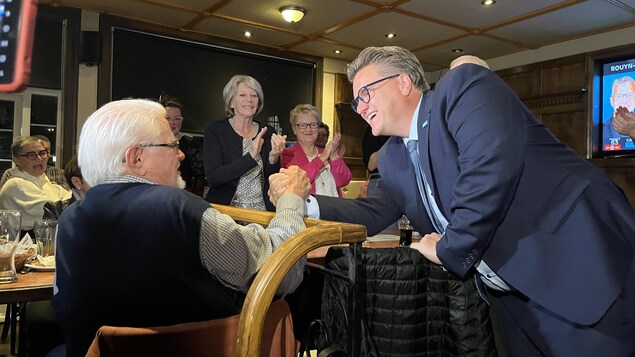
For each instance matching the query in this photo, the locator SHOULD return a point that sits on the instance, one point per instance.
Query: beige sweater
(28, 194)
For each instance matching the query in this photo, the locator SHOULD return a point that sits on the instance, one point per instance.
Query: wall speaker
(90, 48)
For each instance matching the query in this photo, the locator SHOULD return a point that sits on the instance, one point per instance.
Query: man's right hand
(290, 180)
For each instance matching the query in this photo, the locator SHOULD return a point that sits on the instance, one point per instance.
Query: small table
(386, 239)
(32, 286)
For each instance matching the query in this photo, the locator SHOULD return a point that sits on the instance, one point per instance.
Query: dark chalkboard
(145, 65)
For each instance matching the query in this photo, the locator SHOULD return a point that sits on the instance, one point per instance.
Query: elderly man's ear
(133, 159)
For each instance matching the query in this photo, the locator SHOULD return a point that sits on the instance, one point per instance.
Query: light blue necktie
(422, 183)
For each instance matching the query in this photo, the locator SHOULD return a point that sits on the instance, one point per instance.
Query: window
(35, 111)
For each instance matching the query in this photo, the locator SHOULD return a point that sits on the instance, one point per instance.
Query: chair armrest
(262, 290)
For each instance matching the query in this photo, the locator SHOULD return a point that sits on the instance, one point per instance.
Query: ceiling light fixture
(247, 34)
(337, 52)
(488, 2)
(457, 50)
(292, 13)
(391, 35)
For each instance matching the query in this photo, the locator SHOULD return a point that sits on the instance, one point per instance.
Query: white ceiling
(429, 28)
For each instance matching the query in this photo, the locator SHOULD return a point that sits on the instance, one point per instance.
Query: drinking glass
(10, 221)
(44, 230)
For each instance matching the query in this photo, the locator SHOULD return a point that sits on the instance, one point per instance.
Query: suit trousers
(531, 330)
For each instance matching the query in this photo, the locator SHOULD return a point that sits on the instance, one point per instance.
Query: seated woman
(29, 188)
(324, 167)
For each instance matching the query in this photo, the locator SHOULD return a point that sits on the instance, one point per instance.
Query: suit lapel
(424, 124)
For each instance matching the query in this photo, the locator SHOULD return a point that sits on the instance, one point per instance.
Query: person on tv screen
(623, 96)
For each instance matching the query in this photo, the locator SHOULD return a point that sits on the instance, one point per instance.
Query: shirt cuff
(312, 207)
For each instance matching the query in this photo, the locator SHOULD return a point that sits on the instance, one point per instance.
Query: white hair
(110, 131)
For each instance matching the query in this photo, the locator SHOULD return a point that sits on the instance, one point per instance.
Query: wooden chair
(206, 338)
(264, 286)
(262, 329)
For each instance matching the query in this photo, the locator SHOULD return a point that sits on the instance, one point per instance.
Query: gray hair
(232, 87)
(304, 109)
(623, 80)
(22, 141)
(390, 59)
(43, 138)
(110, 131)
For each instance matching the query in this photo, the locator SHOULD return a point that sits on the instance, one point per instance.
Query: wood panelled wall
(351, 126)
(558, 93)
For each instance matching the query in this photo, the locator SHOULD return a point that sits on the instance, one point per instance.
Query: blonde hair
(232, 87)
(300, 109)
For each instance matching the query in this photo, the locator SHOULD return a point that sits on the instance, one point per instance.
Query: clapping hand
(256, 145)
(332, 150)
(278, 143)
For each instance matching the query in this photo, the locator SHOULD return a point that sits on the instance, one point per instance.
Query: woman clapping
(324, 167)
(239, 153)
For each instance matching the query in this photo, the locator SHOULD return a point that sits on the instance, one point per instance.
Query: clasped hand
(290, 180)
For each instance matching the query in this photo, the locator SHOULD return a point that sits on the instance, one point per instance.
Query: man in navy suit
(550, 235)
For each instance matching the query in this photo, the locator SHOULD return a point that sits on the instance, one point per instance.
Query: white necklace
(311, 155)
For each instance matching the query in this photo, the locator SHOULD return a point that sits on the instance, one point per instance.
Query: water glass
(10, 222)
(44, 231)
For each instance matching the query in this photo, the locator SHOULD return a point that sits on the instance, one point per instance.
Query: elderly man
(501, 200)
(140, 251)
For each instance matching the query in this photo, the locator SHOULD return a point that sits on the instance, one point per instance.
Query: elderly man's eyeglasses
(173, 145)
(303, 126)
(32, 155)
(179, 118)
(363, 95)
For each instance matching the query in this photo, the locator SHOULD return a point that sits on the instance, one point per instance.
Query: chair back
(206, 338)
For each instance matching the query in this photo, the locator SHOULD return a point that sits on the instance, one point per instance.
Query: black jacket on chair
(411, 307)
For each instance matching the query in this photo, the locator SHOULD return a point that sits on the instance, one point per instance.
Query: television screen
(618, 90)
(196, 73)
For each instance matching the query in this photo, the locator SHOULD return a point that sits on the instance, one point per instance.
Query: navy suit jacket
(553, 226)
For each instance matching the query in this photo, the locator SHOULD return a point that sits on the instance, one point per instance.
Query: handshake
(291, 180)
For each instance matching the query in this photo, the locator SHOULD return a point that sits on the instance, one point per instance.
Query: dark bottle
(405, 231)
(405, 237)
